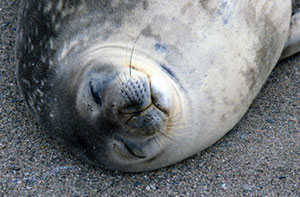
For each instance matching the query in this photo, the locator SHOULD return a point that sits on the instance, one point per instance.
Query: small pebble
(270, 121)
(247, 187)
(148, 188)
(282, 177)
(224, 186)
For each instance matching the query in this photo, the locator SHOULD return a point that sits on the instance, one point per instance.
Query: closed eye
(96, 95)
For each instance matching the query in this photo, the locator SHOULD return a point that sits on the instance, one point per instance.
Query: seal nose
(135, 93)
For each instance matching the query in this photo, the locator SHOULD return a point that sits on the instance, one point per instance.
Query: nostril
(95, 91)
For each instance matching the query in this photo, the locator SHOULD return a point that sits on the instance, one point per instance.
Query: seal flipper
(292, 44)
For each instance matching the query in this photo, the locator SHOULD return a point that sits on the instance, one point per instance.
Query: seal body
(138, 85)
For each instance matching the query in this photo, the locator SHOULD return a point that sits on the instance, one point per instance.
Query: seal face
(138, 85)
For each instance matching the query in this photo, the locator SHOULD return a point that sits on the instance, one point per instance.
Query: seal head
(116, 108)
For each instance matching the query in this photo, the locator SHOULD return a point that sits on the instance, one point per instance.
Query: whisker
(131, 54)
(174, 118)
(167, 135)
(158, 142)
(120, 80)
(170, 127)
(181, 134)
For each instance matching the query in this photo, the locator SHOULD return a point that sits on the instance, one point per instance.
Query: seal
(137, 85)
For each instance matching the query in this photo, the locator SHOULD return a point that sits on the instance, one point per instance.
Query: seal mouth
(130, 150)
(133, 151)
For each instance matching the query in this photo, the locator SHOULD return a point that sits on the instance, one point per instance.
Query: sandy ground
(260, 156)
